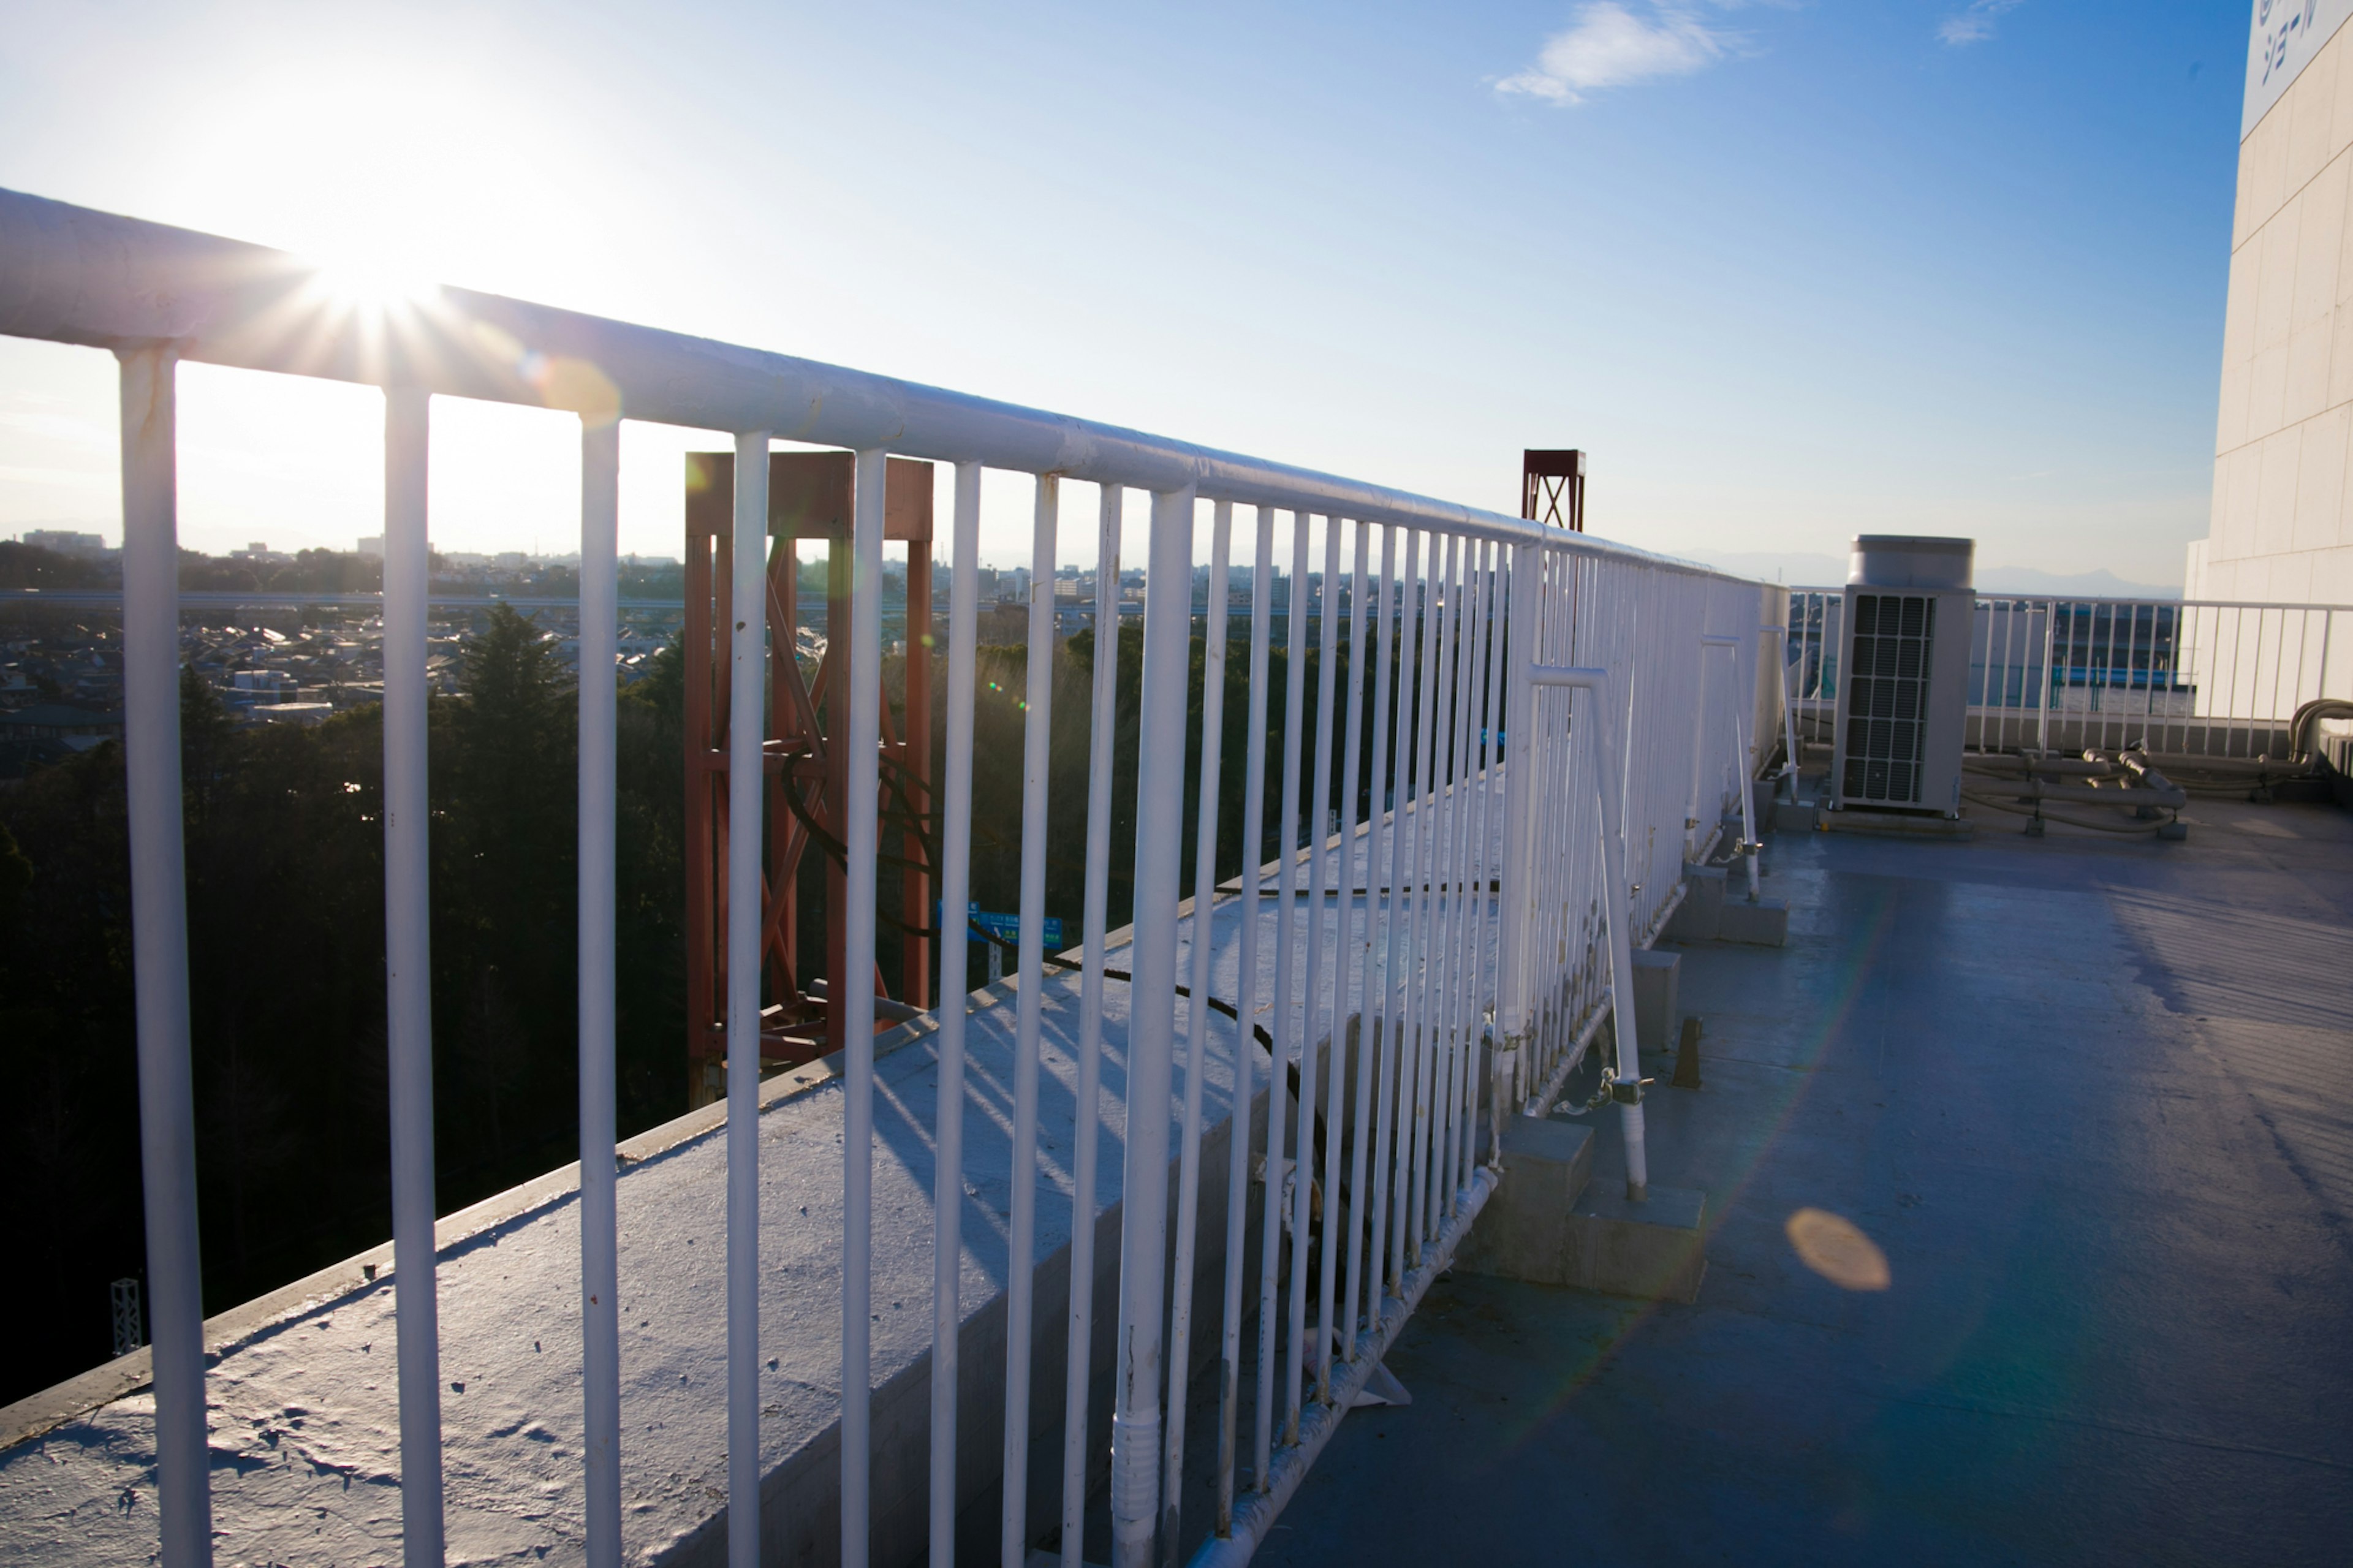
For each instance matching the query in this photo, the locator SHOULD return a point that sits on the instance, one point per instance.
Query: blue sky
(1789, 272)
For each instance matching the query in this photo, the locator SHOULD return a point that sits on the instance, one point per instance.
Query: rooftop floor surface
(2091, 1094)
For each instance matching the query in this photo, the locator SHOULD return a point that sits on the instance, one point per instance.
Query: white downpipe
(1144, 1208)
(1197, 1025)
(1388, 1259)
(600, 1309)
(955, 894)
(1245, 1056)
(1344, 947)
(746, 659)
(408, 973)
(1030, 974)
(1375, 1043)
(862, 841)
(1102, 730)
(1286, 882)
(159, 948)
(1313, 1046)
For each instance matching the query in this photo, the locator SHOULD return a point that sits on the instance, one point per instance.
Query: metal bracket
(1624, 1091)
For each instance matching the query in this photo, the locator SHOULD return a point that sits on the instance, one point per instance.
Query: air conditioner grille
(1886, 695)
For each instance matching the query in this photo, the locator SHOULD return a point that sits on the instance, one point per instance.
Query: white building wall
(2281, 531)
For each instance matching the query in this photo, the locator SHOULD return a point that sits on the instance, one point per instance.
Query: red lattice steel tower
(809, 497)
(1552, 486)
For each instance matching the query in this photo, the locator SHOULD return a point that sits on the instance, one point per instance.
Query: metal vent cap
(1910, 560)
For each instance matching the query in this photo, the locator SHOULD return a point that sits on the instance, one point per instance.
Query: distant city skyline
(1788, 274)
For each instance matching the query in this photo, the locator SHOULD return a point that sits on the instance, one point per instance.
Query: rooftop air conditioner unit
(1904, 657)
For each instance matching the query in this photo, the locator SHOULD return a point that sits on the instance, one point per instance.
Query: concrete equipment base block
(1527, 1231)
(1765, 923)
(1653, 1249)
(1795, 816)
(1899, 824)
(1695, 918)
(1658, 1007)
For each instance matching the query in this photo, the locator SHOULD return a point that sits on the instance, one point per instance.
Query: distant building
(371, 547)
(2282, 531)
(78, 729)
(65, 542)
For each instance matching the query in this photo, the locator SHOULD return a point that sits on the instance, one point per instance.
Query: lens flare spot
(1832, 1248)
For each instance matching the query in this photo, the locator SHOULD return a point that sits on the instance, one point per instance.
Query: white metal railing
(1556, 737)
(2196, 677)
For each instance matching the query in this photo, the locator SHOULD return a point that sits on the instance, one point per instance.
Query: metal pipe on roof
(159, 948)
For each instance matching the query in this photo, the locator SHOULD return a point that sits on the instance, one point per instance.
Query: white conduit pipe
(1144, 1208)
(1491, 771)
(1102, 734)
(1196, 1030)
(1446, 894)
(1286, 1032)
(1345, 947)
(1245, 1056)
(955, 893)
(1022, 1264)
(745, 777)
(1386, 1260)
(408, 973)
(1404, 1217)
(1373, 1043)
(1293, 1462)
(862, 778)
(600, 1310)
(159, 948)
(1314, 1041)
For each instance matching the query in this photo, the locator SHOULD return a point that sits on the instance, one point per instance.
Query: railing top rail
(2057, 598)
(70, 274)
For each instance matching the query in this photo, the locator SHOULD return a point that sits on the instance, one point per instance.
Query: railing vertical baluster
(1197, 1025)
(159, 931)
(600, 1316)
(1446, 1159)
(1396, 903)
(1482, 990)
(1375, 1043)
(1144, 1209)
(1411, 1102)
(1346, 1061)
(1446, 880)
(955, 895)
(862, 844)
(2050, 684)
(1103, 731)
(1021, 1257)
(746, 659)
(1245, 1052)
(1516, 909)
(1318, 1054)
(1286, 1031)
(408, 975)
(1431, 1085)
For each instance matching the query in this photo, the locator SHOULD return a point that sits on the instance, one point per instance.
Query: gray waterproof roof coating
(303, 1415)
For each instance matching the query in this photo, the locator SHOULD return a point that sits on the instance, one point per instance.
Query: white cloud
(1974, 25)
(1610, 46)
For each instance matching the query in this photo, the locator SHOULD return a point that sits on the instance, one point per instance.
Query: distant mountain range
(1830, 570)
